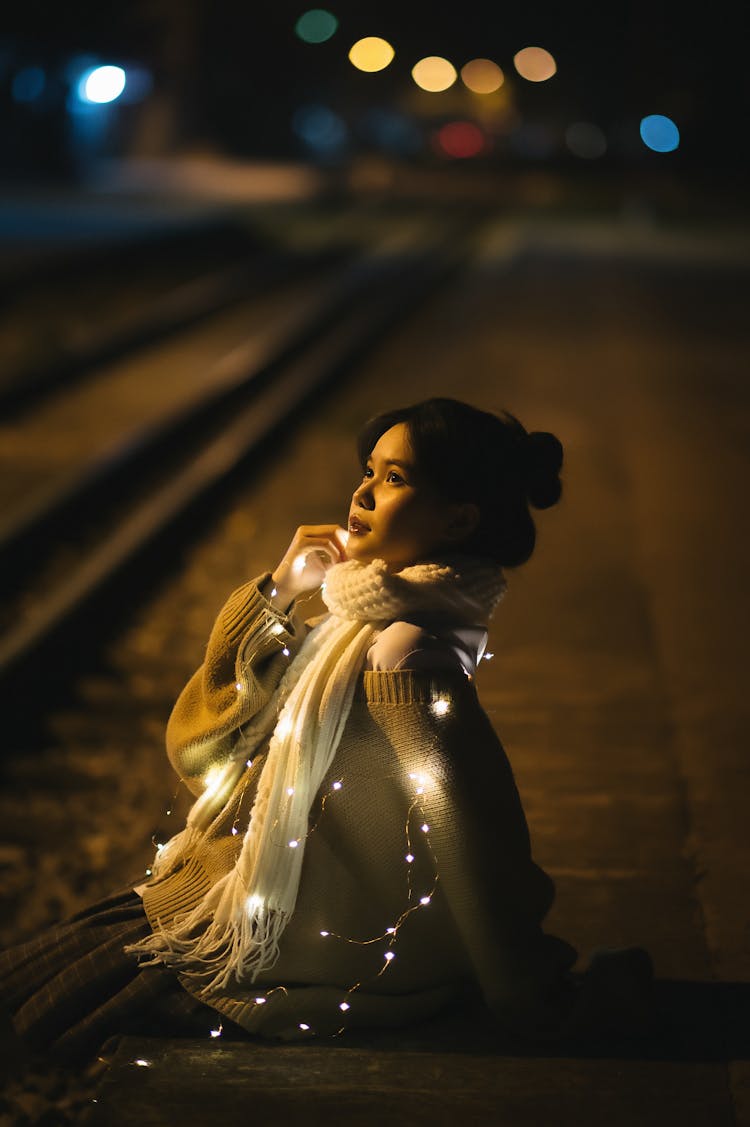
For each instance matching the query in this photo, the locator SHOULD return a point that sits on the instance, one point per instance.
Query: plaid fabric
(72, 987)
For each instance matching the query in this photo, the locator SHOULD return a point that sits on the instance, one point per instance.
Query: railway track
(63, 548)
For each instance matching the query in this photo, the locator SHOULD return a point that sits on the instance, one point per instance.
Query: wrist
(280, 594)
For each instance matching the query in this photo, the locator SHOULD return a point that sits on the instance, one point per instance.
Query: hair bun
(543, 458)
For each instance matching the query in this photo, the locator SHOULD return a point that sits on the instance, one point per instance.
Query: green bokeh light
(316, 26)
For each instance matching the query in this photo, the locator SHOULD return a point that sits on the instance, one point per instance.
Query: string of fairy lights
(416, 821)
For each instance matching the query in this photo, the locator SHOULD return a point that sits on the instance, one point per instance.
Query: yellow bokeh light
(371, 54)
(482, 76)
(434, 74)
(535, 64)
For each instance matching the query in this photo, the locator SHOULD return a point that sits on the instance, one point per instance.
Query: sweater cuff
(244, 607)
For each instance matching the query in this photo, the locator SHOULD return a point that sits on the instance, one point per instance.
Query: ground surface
(618, 683)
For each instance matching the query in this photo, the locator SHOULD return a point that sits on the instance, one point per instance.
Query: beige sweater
(409, 731)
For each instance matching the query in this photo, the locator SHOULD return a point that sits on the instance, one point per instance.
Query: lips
(356, 525)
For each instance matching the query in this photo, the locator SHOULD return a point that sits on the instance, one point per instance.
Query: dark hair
(472, 455)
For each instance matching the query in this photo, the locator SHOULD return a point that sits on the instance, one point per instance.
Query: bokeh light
(534, 64)
(659, 133)
(28, 84)
(434, 74)
(461, 139)
(316, 26)
(101, 84)
(320, 128)
(371, 54)
(586, 140)
(482, 76)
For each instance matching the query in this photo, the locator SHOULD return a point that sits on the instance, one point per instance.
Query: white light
(420, 790)
(238, 686)
(424, 900)
(285, 651)
(409, 857)
(488, 657)
(148, 872)
(283, 728)
(277, 628)
(440, 707)
(235, 831)
(424, 828)
(337, 786)
(212, 779)
(159, 846)
(293, 844)
(274, 592)
(412, 775)
(253, 903)
(290, 791)
(389, 956)
(102, 84)
(299, 564)
(249, 763)
(216, 1032)
(390, 931)
(344, 1006)
(303, 1026)
(142, 1063)
(260, 1001)
(168, 812)
(324, 933)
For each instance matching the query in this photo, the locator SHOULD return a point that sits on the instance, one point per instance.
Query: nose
(363, 498)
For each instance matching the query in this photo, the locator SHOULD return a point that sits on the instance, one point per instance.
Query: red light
(461, 139)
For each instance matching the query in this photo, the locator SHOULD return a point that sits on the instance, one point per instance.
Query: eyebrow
(395, 462)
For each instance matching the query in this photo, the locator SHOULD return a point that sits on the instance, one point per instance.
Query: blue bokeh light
(101, 84)
(659, 133)
(320, 128)
(28, 85)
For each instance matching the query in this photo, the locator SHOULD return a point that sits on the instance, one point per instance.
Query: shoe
(616, 995)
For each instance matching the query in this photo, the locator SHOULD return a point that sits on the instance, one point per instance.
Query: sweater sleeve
(249, 648)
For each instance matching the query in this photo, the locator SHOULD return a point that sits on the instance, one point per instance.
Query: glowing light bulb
(440, 706)
(389, 956)
(273, 592)
(337, 785)
(409, 857)
(424, 828)
(285, 651)
(290, 791)
(148, 872)
(235, 831)
(159, 846)
(253, 903)
(299, 564)
(249, 763)
(390, 931)
(168, 812)
(420, 790)
(302, 1025)
(260, 1001)
(424, 900)
(488, 657)
(238, 686)
(142, 1063)
(293, 843)
(344, 1006)
(277, 628)
(216, 1032)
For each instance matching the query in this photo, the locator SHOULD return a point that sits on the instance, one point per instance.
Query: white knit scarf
(234, 931)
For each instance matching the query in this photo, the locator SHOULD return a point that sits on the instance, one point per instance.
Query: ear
(463, 520)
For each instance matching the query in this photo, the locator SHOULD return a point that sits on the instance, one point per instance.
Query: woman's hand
(314, 548)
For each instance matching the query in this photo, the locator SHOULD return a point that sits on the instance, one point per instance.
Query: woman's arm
(478, 833)
(245, 660)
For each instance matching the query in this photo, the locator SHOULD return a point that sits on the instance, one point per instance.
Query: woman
(357, 854)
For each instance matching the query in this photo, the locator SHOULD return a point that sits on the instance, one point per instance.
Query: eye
(392, 473)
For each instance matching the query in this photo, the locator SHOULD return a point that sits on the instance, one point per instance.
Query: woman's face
(397, 516)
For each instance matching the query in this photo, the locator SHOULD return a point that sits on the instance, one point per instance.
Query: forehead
(393, 443)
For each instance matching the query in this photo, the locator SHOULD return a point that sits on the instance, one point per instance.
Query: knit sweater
(419, 829)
